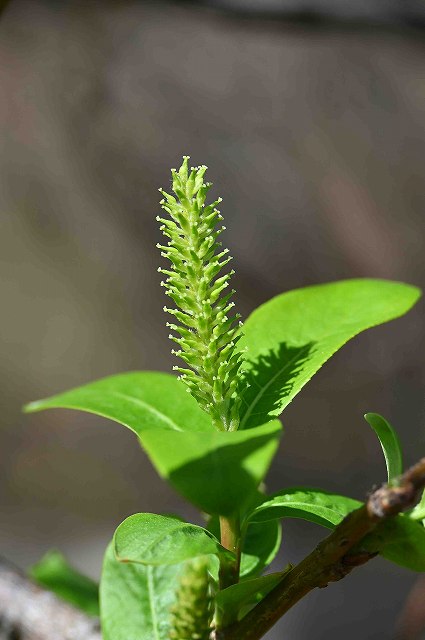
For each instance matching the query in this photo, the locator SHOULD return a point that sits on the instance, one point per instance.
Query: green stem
(230, 539)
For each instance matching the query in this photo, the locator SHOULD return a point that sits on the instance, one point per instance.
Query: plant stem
(230, 539)
(333, 558)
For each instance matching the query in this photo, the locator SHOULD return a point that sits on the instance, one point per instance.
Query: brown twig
(333, 558)
(28, 612)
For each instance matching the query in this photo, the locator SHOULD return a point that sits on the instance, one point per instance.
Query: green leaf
(152, 539)
(400, 540)
(55, 574)
(390, 444)
(418, 513)
(290, 337)
(138, 400)
(136, 600)
(260, 545)
(315, 505)
(216, 471)
(236, 601)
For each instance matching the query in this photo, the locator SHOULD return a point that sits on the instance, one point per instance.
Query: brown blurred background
(314, 134)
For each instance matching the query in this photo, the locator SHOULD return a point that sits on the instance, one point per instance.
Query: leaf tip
(31, 407)
(371, 417)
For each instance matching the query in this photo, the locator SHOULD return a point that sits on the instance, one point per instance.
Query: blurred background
(310, 117)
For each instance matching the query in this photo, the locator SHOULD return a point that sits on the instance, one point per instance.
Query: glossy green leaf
(260, 546)
(400, 540)
(290, 337)
(321, 507)
(217, 471)
(135, 600)
(390, 444)
(138, 400)
(236, 601)
(55, 574)
(149, 538)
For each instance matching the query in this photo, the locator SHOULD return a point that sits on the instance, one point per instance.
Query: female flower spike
(207, 334)
(193, 611)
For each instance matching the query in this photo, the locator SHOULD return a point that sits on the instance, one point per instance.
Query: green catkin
(207, 333)
(191, 615)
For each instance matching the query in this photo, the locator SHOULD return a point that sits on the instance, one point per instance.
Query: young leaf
(418, 513)
(261, 545)
(55, 574)
(400, 540)
(321, 507)
(148, 538)
(236, 601)
(390, 444)
(217, 471)
(138, 400)
(136, 600)
(290, 337)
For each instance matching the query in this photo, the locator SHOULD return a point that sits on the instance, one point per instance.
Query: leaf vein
(149, 407)
(152, 603)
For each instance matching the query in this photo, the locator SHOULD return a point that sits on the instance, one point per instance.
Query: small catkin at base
(191, 615)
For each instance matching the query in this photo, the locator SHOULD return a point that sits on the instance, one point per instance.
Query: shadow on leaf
(269, 379)
(218, 471)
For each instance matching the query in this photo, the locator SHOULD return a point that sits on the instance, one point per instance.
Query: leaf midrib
(300, 505)
(148, 407)
(152, 603)
(263, 389)
(159, 539)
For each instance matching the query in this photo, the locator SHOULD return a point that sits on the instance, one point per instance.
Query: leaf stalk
(230, 539)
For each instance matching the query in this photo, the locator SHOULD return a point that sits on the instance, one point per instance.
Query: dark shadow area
(322, 13)
(270, 379)
(218, 482)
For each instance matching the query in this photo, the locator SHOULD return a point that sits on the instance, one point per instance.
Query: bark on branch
(334, 557)
(28, 612)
